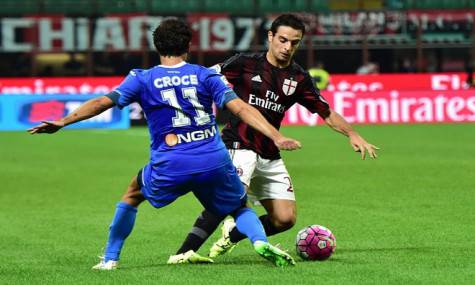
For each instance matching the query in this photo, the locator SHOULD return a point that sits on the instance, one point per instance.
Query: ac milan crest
(289, 86)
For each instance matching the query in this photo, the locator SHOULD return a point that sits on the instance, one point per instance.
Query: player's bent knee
(133, 196)
(133, 200)
(284, 222)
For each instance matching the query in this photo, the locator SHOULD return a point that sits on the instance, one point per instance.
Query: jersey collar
(174, 66)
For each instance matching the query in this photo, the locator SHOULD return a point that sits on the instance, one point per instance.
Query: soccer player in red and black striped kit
(272, 82)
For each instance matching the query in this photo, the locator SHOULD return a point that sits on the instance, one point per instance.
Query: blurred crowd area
(240, 7)
(353, 36)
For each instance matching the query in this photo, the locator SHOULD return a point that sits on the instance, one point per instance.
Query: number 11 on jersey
(181, 119)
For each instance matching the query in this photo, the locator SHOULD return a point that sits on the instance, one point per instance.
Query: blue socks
(249, 224)
(119, 230)
(246, 219)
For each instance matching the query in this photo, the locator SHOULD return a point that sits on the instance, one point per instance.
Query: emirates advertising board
(396, 98)
(361, 99)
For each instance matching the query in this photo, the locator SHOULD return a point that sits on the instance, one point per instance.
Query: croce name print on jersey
(167, 81)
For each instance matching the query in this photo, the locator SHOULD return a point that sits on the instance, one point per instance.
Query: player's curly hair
(288, 20)
(172, 37)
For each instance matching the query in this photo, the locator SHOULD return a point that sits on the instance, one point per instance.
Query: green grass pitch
(407, 217)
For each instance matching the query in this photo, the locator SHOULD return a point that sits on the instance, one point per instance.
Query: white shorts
(265, 178)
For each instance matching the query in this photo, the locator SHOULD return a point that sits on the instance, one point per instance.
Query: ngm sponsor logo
(50, 110)
(199, 135)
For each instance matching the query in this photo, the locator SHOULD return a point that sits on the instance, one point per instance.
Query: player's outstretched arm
(254, 118)
(87, 110)
(359, 144)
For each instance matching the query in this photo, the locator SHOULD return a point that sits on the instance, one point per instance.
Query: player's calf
(281, 215)
(278, 224)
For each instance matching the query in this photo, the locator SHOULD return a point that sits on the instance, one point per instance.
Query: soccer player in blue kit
(187, 153)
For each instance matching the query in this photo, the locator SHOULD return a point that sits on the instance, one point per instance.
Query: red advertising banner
(339, 82)
(394, 98)
(363, 99)
(387, 82)
(383, 107)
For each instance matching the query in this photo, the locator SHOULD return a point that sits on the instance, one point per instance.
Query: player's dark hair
(288, 20)
(172, 37)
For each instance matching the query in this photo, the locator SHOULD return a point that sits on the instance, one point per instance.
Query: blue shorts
(220, 190)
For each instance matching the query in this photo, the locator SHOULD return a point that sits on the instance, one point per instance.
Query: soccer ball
(315, 243)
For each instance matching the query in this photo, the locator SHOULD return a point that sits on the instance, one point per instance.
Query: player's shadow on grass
(345, 255)
(341, 256)
(162, 265)
(420, 249)
(222, 262)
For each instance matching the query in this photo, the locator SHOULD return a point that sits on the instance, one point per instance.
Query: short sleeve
(312, 99)
(219, 88)
(232, 67)
(130, 89)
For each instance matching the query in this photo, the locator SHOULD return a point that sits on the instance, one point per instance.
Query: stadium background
(407, 217)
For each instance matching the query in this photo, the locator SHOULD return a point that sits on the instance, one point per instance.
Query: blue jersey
(177, 102)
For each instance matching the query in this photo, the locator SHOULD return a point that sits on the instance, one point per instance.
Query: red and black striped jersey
(272, 91)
